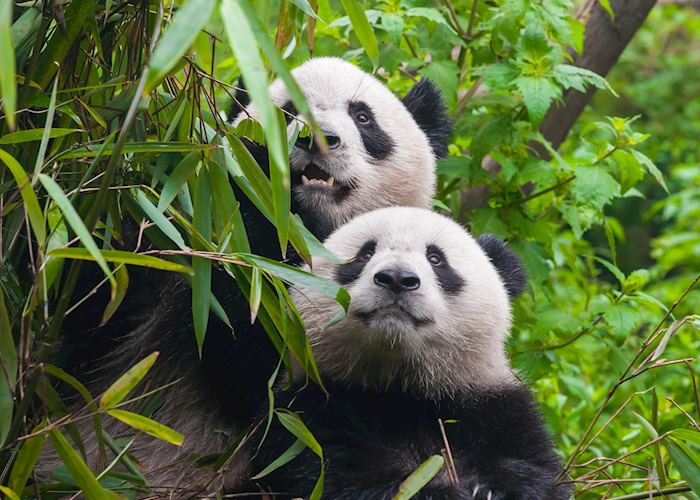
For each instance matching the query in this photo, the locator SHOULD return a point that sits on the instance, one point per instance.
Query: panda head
(429, 310)
(381, 150)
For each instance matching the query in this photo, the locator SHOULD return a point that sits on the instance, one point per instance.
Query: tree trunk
(604, 41)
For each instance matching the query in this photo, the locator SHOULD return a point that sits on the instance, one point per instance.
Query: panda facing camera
(423, 341)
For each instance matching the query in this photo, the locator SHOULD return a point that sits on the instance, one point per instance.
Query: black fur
(450, 281)
(350, 271)
(507, 263)
(372, 440)
(377, 143)
(240, 101)
(425, 103)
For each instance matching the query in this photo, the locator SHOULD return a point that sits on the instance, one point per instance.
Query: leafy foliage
(112, 111)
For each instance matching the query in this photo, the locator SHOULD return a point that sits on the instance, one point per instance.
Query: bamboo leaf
(35, 134)
(182, 172)
(148, 426)
(31, 204)
(124, 384)
(46, 135)
(294, 425)
(11, 495)
(8, 84)
(187, 22)
(255, 293)
(160, 220)
(136, 148)
(687, 463)
(201, 284)
(122, 257)
(78, 468)
(121, 276)
(419, 477)
(8, 370)
(26, 460)
(363, 30)
(286, 457)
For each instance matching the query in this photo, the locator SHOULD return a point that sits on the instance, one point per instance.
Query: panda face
(377, 156)
(429, 311)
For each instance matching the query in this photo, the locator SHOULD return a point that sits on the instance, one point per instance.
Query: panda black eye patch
(447, 277)
(290, 111)
(347, 273)
(377, 143)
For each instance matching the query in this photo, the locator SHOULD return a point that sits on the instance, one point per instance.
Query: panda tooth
(330, 180)
(304, 180)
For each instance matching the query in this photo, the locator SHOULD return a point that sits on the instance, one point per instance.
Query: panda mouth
(393, 309)
(316, 178)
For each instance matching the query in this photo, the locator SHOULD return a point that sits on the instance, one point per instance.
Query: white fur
(457, 345)
(406, 177)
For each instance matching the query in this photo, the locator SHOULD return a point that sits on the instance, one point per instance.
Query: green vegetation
(112, 110)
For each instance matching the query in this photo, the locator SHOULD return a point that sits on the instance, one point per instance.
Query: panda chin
(391, 324)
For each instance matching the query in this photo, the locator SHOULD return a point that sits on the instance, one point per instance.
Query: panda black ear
(506, 262)
(240, 100)
(424, 101)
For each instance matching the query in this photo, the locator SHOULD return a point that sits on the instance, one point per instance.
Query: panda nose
(397, 280)
(308, 143)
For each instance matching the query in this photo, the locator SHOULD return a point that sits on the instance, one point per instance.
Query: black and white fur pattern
(217, 398)
(423, 340)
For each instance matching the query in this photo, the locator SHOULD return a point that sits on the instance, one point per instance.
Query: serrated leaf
(150, 427)
(538, 93)
(124, 384)
(650, 167)
(594, 186)
(419, 477)
(431, 14)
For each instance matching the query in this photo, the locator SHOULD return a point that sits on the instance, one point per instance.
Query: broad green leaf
(363, 30)
(182, 172)
(178, 37)
(201, 282)
(77, 224)
(124, 384)
(419, 477)
(35, 135)
(78, 468)
(122, 257)
(686, 461)
(148, 426)
(8, 84)
(431, 14)
(650, 167)
(8, 370)
(608, 8)
(294, 425)
(31, 204)
(26, 460)
(538, 93)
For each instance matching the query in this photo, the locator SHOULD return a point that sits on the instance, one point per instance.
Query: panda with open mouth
(422, 344)
(381, 152)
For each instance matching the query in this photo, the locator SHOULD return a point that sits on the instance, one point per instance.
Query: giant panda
(382, 152)
(422, 342)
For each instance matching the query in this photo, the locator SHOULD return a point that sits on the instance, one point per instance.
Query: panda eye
(435, 259)
(366, 255)
(363, 118)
